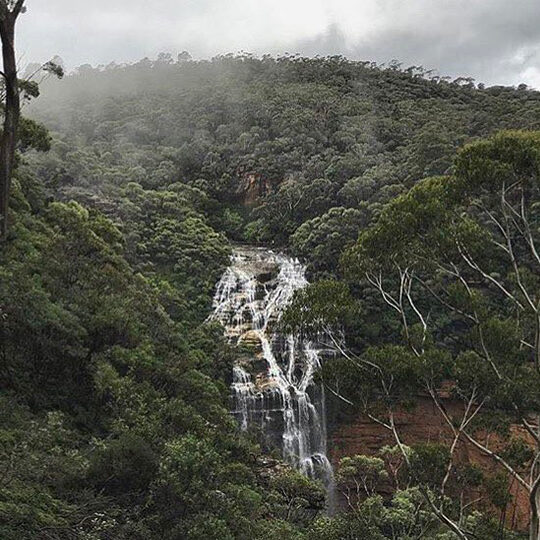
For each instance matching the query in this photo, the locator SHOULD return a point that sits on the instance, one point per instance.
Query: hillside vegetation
(332, 139)
(115, 390)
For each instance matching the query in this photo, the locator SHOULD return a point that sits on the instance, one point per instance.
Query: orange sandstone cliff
(360, 435)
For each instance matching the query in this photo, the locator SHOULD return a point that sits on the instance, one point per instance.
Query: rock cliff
(359, 435)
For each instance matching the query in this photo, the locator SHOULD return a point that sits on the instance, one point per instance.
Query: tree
(9, 12)
(300, 499)
(321, 240)
(461, 254)
(360, 476)
(456, 261)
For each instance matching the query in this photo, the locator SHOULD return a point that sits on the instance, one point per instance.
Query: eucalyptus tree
(456, 265)
(9, 13)
(457, 260)
(12, 88)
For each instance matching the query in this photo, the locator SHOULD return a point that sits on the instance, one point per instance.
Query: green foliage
(364, 471)
(405, 517)
(33, 135)
(485, 526)
(517, 452)
(127, 464)
(409, 226)
(299, 499)
(114, 397)
(318, 134)
(276, 529)
(322, 239)
(324, 304)
(456, 257)
(343, 528)
(497, 489)
(114, 394)
(428, 463)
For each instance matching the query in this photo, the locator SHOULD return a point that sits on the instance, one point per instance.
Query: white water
(273, 387)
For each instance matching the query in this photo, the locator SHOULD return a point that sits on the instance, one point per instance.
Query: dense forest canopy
(114, 388)
(318, 134)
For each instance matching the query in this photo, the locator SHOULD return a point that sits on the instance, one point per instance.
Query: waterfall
(273, 386)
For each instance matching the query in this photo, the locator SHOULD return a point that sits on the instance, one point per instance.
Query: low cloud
(494, 41)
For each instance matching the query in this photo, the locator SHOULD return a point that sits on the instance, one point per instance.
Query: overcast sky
(494, 41)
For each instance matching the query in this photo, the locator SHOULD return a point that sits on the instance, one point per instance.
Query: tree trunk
(534, 533)
(12, 114)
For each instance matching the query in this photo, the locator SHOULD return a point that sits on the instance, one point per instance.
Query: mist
(493, 41)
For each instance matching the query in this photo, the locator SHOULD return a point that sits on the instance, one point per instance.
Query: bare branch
(416, 310)
(472, 264)
(480, 446)
(512, 255)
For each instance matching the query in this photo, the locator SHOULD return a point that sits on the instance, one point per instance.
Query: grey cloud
(495, 41)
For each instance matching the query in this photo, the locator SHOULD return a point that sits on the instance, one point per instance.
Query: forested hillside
(325, 138)
(114, 405)
(115, 389)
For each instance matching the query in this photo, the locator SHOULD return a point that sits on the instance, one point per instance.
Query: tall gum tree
(16, 129)
(461, 255)
(9, 13)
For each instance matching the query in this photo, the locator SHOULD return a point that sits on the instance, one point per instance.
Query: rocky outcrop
(359, 435)
(252, 187)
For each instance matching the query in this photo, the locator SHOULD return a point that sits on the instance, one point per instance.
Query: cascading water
(273, 385)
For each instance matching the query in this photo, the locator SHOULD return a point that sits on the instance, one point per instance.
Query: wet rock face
(273, 388)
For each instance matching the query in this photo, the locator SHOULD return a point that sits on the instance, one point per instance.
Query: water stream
(273, 386)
